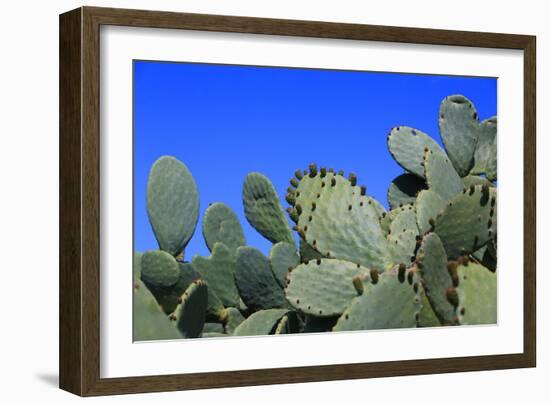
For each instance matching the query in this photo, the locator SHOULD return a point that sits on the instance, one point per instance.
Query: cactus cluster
(430, 260)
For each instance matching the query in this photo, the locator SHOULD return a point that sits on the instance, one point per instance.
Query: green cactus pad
(137, 269)
(256, 283)
(436, 277)
(404, 189)
(159, 269)
(388, 304)
(263, 209)
(307, 252)
(407, 147)
(404, 220)
(282, 257)
(260, 323)
(172, 204)
(468, 222)
(219, 271)
(233, 319)
(149, 322)
(387, 218)
(402, 246)
(427, 316)
(380, 209)
(338, 221)
(324, 287)
(458, 126)
(428, 205)
(477, 293)
(191, 312)
(441, 176)
(220, 224)
(485, 156)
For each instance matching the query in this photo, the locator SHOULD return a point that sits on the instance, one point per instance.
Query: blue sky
(226, 121)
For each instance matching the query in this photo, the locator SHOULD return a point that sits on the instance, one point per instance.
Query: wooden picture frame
(80, 200)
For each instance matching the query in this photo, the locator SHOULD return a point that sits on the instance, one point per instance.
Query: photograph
(276, 200)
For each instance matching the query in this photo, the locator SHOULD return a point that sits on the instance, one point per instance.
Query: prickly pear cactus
(429, 260)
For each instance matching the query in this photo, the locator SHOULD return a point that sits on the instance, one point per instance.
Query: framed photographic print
(273, 201)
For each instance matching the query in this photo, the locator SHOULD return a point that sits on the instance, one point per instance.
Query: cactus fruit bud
(452, 296)
(323, 172)
(374, 275)
(353, 179)
(401, 272)
(358, 285)
(312, 169)
(298, 174)
(298, 208)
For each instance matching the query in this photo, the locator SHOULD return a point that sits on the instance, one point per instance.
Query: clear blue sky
(225, 121)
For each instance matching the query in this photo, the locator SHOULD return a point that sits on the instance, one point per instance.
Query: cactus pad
(219, 271)
(263, 209)
(404, 220)
(458, 126)
(338, 221)
(191, 312)
(172, 204)
(234, 319)
(468, 222)
(324, 287)
(436, 278)
(477, 294)
(255, 280)
(159, 269)
(283, 257)
(485, 155)
(260, 323)
(391, 303)
(441, 176)
(220, 224)
(402, 246)
(404, 189)
(428, 205)
(149, 322)
(407, 146)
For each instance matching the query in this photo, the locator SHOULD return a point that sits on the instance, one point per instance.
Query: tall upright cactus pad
(438, 283)
(477, 295)
(191, 312)
(263, 209)
(469, 221)
(404, 189)
(441, 177)
(407, 146)
(338, 220)
(458, 126)
(485, 155)
(221, 224)
(172, 204)
(324, 287)
(256, 283)
(260, 323)
(428, 205)
(392, 303)
(283, 258)
(219, 271)
(149, 321)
